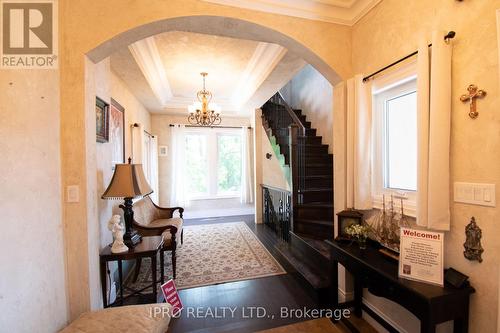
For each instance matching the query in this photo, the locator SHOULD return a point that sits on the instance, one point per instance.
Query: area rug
(213, 254)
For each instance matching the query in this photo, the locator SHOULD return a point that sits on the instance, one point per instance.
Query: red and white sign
(172, 296)
(421, 255)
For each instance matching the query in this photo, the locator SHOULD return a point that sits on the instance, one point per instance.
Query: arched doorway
(215, 25)
(78, 107)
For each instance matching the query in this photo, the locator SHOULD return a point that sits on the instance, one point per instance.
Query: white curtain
(137, 143)
(153, 163)
(178, 195)
(433, 124)
(358, 142)
(246, 166)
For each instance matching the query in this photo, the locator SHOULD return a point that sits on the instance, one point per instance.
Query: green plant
(358, 232)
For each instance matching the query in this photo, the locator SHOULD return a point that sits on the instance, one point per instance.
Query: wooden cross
(471, 98)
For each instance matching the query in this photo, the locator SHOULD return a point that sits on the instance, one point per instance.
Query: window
(228, 163)
(400, 146)
(196, 164)
(213, 163)
(395, 141)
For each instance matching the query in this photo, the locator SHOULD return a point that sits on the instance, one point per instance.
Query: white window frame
(212, 160)
(398, 83)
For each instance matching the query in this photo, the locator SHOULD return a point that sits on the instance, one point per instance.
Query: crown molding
(263, 61)
(147, 56)
(345, 12)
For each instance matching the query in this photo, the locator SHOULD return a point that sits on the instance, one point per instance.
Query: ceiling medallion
(203, 112)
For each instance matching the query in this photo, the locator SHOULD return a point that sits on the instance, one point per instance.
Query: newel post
(293, 131)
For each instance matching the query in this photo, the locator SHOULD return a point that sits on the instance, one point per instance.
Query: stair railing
(291, 136)
(276, 212)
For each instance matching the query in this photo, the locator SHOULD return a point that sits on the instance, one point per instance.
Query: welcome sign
(421, 256)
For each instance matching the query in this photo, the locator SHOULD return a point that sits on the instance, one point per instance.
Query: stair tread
(320, 164)
(316, 205)
(316, 145)
(318, 244)
(318, 176)
(317, 189)
(317, 279)
(310, 136)
(315, 221)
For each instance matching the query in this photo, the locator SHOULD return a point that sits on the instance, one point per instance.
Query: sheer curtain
(358, 142)
(150, 162)
(433, 131)
(178, 195)
(246, 166)
(153, 165)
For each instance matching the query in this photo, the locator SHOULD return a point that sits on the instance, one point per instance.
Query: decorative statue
(117, 228)
(472, 245)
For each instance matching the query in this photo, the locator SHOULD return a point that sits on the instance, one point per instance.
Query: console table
(373, 270)
(147, 248)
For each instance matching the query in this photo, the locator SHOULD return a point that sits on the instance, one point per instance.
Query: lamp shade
(128, 182)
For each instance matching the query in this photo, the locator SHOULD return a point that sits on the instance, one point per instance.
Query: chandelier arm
(191, 119)
(217, 120)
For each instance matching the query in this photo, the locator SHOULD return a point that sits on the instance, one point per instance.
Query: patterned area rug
(215, 253)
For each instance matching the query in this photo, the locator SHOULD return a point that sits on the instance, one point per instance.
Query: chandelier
(203, 112)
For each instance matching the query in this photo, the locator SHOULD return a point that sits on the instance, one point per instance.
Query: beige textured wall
(391, 31)
(257, 162)
(160, 127)
(32, 266)
(272, 174)
(108, 85)
(313, 94)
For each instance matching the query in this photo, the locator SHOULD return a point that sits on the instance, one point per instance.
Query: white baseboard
(349, 295)
(383, 316)
(345, 296)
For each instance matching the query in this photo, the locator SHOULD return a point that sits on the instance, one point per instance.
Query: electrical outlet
(475, 194)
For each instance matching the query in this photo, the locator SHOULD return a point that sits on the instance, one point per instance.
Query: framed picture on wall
(117, 132)
(102, 120)
(162, 151)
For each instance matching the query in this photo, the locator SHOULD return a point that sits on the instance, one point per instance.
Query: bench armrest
(168, 212)
(154, 231)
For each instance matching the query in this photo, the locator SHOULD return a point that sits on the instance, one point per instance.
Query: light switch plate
(72, 193)
(475, 194)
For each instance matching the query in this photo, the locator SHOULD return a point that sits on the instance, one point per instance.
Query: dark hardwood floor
(264, 296)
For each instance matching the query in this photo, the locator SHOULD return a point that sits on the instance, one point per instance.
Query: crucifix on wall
(474, 94)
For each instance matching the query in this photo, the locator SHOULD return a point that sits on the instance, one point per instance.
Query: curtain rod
(449, 35)
(172, 125)
(137, 125)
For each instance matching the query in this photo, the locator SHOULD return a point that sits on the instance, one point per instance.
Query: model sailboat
(388, 224)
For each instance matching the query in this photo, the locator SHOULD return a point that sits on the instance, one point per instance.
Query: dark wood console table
(147, 248)
(371, 269)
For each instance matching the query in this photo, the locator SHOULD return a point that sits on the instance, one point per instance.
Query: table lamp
(128, 183)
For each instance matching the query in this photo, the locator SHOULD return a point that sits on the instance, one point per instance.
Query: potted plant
(359, 233)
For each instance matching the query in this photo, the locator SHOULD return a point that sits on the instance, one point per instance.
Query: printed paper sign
(171, 296)
(421, 256)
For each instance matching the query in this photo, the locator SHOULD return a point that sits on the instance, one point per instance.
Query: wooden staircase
(312, 166)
